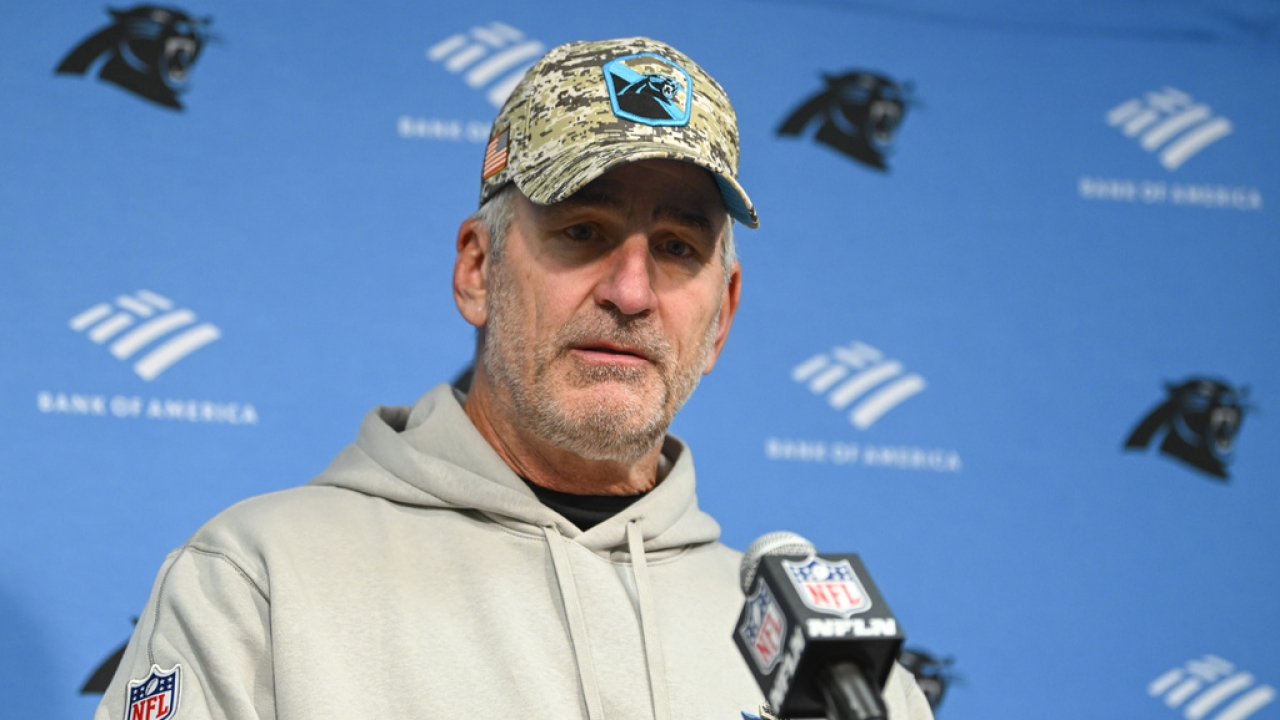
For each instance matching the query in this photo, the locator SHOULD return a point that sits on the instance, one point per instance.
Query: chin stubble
(597, 428)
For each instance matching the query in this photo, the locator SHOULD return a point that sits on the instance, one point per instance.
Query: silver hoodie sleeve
(210, 620)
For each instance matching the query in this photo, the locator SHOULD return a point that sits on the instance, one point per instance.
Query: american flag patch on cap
(495, 155)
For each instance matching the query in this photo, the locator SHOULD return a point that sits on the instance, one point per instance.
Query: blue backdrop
(1002, 238)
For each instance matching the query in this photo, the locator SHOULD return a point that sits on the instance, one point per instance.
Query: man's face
(605, 310)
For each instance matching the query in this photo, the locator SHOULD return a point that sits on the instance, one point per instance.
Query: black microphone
(815, 631)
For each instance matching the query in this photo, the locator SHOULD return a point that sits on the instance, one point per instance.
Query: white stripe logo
(1203, 686)
(148, 321)
(859, 373)
(1170, 122)
(495, 56)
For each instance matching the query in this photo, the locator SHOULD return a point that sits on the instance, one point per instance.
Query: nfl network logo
(155, 697)
(1170, 122)
(147, 324)
(1211, 688)
(763, 628)
(860, 376)
(828, 587)
(492, 58)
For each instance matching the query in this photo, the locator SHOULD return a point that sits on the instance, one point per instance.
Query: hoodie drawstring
(654, 663)
(577, 623)
(648, 623)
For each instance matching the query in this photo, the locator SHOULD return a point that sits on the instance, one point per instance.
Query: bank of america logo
(1169, 122)
(1211, 688)
(492, 58)
(146, 326)
(860, 379)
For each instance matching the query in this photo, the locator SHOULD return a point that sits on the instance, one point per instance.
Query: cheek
(556, 300)
(689, 322)
(543, 316)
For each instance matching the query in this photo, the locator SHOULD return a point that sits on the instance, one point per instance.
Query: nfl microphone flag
(804, 614)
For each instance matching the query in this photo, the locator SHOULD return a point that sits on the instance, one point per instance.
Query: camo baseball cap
(587, 107)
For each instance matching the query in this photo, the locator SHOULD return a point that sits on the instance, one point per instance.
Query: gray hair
(496, 214)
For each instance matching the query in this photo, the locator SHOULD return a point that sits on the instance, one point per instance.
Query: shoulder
(300, 506)
(252, 530)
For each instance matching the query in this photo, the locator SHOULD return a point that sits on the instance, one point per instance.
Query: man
(534, 549)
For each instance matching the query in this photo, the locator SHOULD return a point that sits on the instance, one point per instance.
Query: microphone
(815, 631)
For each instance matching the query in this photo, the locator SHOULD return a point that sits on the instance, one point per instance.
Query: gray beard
(598, 429)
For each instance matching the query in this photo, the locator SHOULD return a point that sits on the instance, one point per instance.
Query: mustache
(639, 335)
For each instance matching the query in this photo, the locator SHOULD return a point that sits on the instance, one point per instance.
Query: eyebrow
(600, 199)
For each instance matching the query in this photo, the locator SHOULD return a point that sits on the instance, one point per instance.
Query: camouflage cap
(587, 107)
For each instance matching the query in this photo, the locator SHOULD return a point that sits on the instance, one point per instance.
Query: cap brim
(581, 169)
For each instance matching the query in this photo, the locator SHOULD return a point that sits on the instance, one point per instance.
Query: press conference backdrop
(1009, 326)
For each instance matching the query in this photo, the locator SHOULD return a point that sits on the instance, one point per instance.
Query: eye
(581, 232)
(677, 248)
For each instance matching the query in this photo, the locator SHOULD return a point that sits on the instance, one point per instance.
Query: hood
(431, 455)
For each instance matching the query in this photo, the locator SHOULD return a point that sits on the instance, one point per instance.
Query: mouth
(610, 354)
(179, 54)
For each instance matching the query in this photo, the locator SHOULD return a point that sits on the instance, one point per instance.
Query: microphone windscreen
(780, 542)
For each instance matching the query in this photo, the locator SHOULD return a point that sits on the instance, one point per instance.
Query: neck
(550, 466)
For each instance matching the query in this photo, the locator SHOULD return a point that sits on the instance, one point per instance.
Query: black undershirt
(585, 511)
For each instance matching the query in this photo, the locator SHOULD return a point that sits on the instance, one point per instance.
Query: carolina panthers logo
(648, 89)
(856, 114)
(1200, 419)
(650, 96)
(149, 51)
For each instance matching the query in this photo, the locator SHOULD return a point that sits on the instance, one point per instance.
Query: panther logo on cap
(649, 89)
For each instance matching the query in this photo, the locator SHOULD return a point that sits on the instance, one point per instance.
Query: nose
(628, 281)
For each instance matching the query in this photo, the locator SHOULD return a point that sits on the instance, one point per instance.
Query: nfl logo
(155, 697)
(763, 629)
(829, 587)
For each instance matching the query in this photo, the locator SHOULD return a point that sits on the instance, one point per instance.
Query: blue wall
(936, 363)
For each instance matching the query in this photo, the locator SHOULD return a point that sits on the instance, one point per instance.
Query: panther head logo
(651, 96)
(858, 114)
(149, 51)
(649, 89)
(1200, 419)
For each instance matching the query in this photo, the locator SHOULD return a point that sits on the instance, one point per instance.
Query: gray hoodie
(418, 577)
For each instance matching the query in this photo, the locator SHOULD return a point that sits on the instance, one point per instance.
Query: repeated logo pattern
(1208, 685)
(148, 321)
(1170, 122)
(861, 373)
(1199, 420)
(856, 114)
(149, 50)
(492, 58)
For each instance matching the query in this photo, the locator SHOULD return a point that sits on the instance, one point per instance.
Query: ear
(728, 309)
(469, 289)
